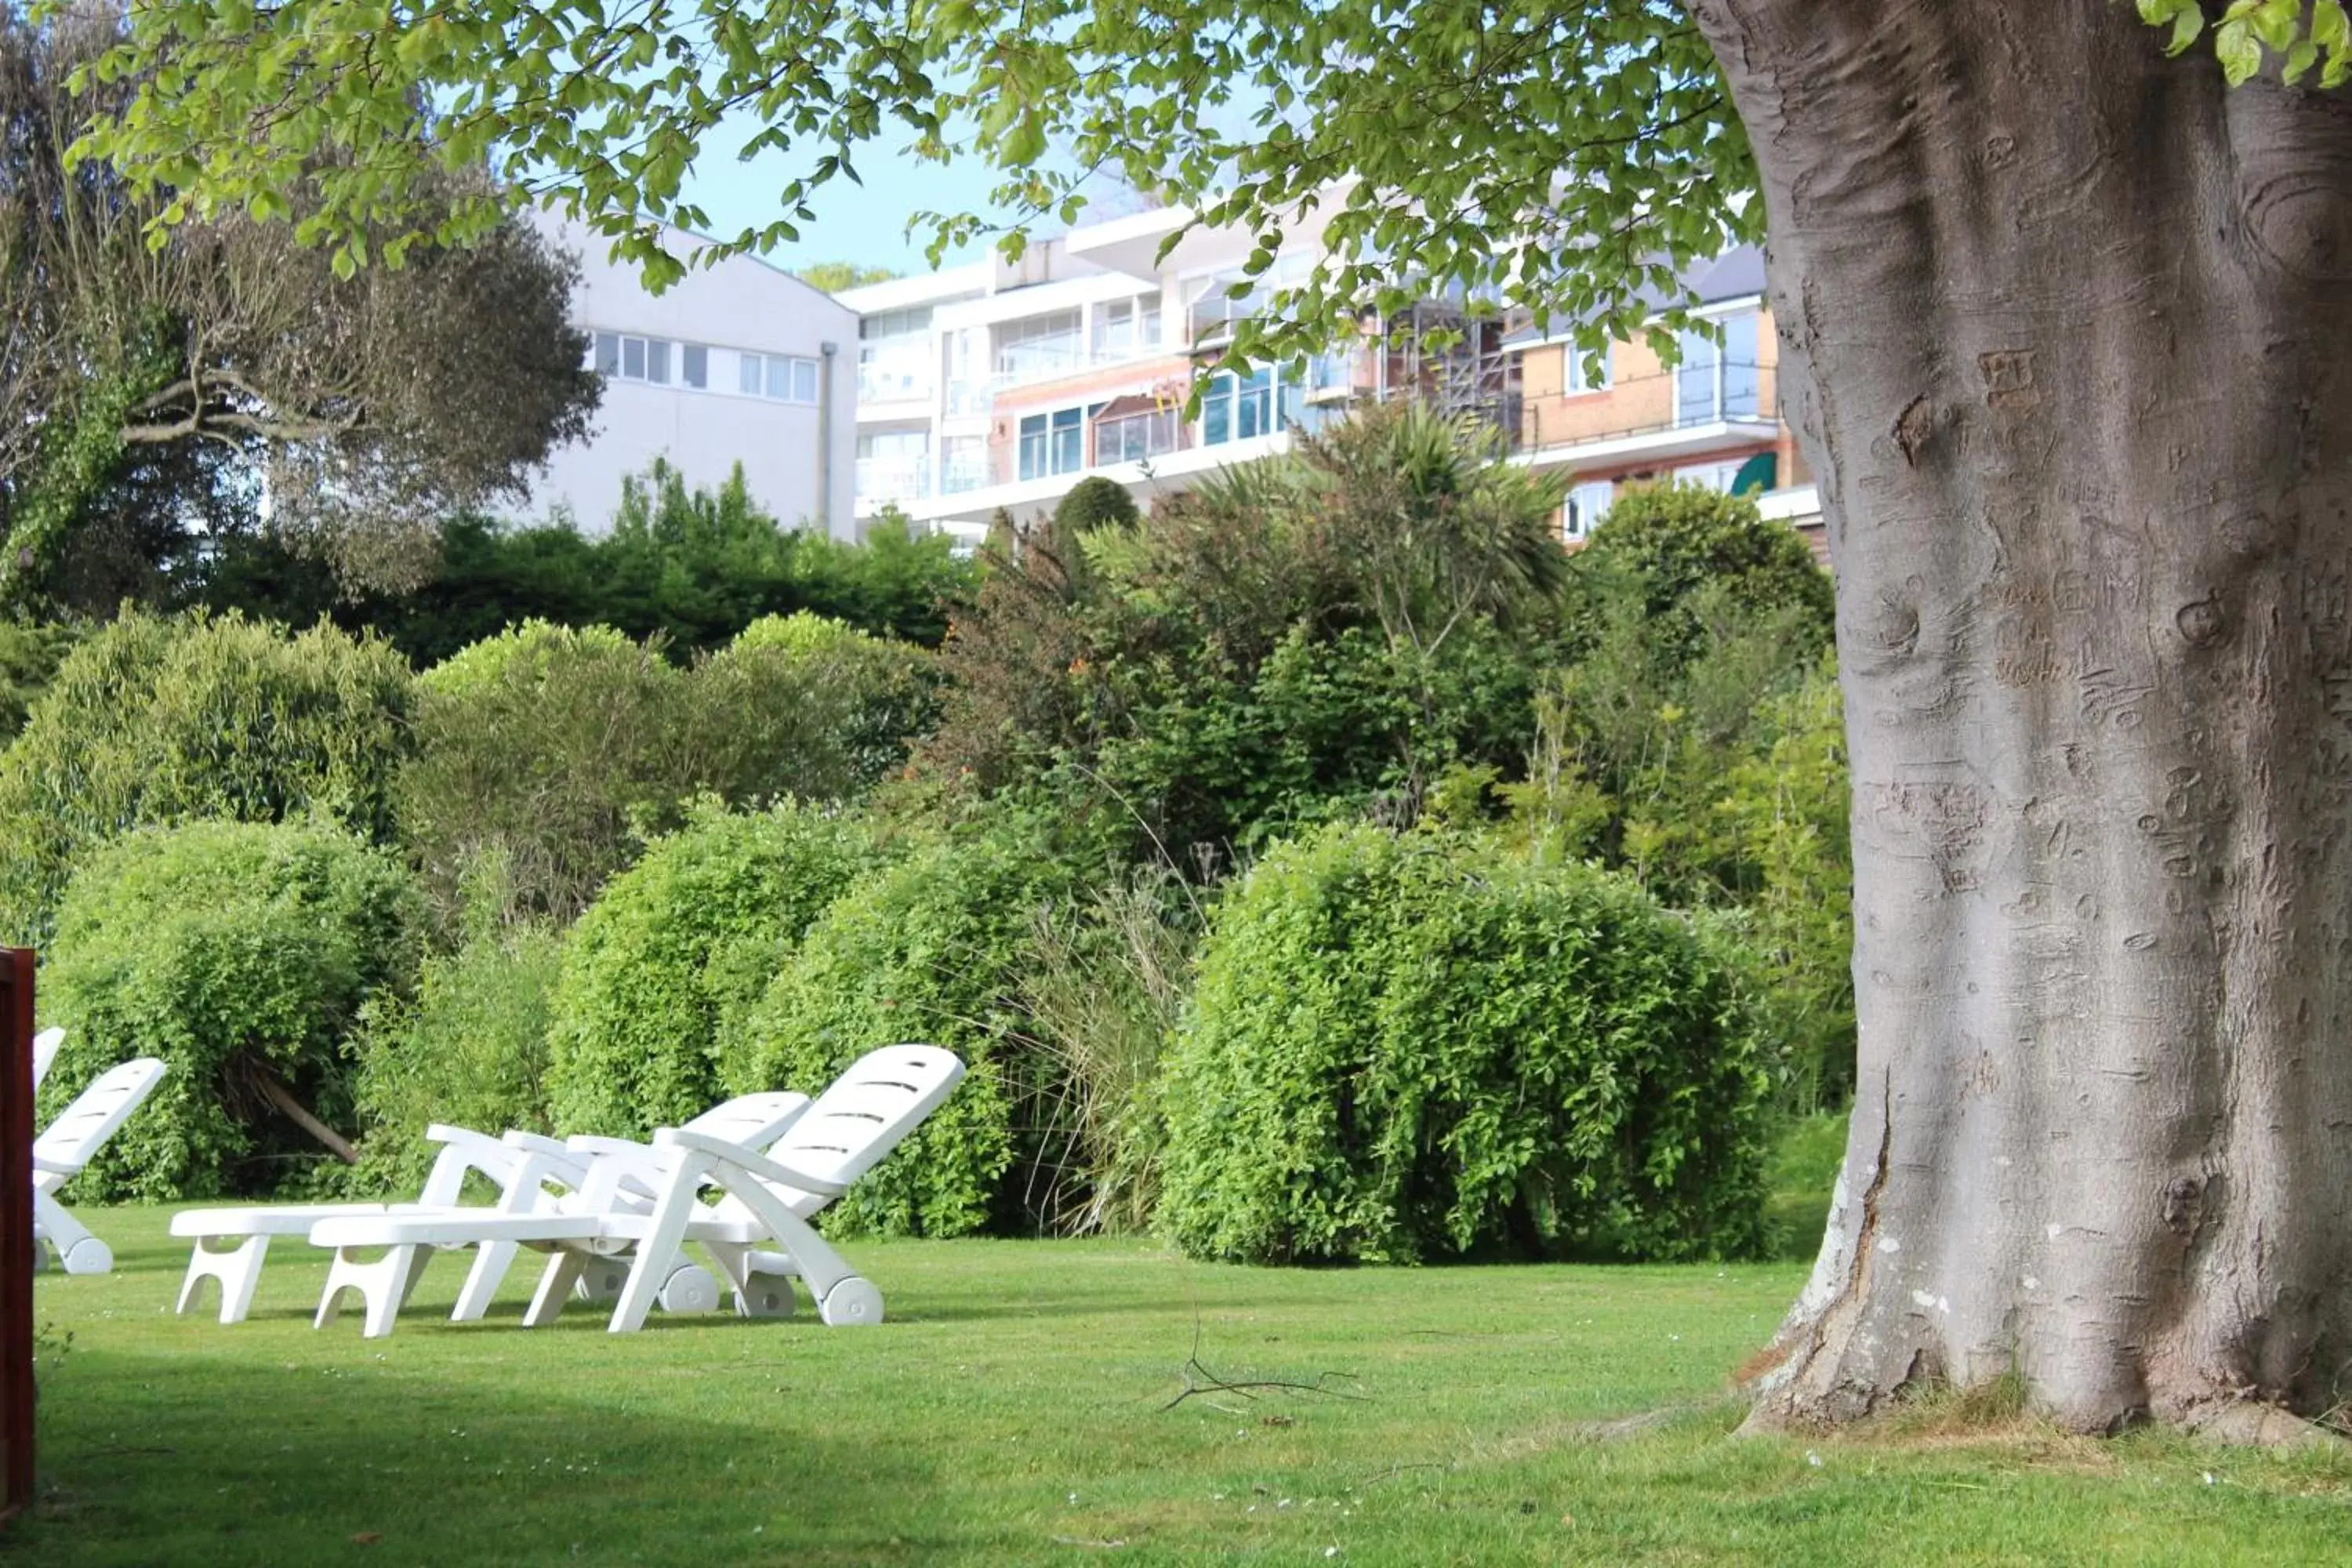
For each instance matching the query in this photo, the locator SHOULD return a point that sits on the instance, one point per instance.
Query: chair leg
(78, 1252)
(383, 1285)
(555, 1283)
(841, 1297)
(491, 1261)
(764, 1285)
(657, 1250)
(238, 1269)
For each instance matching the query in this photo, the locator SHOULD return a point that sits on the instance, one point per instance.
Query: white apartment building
(740, 363)
(1001, 384)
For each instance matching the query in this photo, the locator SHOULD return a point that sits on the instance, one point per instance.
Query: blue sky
(865, 224)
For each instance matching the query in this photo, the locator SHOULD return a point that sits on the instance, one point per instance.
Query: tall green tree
(2065, 319)
(157, 398)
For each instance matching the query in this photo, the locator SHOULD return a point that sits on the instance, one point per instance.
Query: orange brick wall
(1640, 395)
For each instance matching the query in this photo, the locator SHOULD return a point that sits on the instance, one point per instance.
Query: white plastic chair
(522, 1166)
(70, 1143)
(766, 1200)
(45, 1051)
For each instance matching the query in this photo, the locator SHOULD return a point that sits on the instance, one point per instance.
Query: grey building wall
(741, 307)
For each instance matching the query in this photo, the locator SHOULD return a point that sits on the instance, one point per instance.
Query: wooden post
(16, 1230)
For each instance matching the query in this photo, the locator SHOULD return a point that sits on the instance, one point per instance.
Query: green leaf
(2240, 52)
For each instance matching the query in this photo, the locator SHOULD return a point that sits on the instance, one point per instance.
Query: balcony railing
(963, 471)
(1656, 405)
(894, 479)
(891, 384)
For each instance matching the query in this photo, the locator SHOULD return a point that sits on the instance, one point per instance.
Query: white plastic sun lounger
(71, 1142)
(45, 1051)
(523, 1166)
(767, 1199)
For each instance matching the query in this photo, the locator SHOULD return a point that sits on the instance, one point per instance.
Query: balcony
(1666, 415)
(964, 471)
(896, 478)
(888, 382)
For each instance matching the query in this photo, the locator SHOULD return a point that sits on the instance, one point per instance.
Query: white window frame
(1587, 502)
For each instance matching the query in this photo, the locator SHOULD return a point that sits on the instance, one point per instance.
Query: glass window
(1217, 412)
(1695, 379)
(780, 377)
(1148, 327)
(608, 354)
(748, 381)
(657, 361)
(633, 359)
(1033, 448)
(1254, 405)
(1580, 378)
(1115, 329)
(1587, 503)
(1069, 440)
(1739, 367)
(1134, 437)
(804, 381)
(695, 361)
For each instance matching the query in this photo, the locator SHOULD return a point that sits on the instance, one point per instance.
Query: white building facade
(740, 363)
(1000, 385)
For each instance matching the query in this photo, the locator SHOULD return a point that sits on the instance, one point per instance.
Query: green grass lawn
(1017, 1409)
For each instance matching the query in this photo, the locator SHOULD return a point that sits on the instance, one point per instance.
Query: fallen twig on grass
(1198, 1380)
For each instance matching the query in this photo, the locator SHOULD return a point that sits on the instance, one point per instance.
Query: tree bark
(2065, 327)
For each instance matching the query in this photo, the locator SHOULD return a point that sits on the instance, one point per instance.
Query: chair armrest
(56, 1167)
(744, 1159)
(590, 1144)
(479, 1150)
(532, 1142)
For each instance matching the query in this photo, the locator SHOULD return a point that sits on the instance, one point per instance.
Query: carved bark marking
(2009, 379)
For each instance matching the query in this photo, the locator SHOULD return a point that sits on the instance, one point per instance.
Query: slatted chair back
(881, 1098)
(83, 1127)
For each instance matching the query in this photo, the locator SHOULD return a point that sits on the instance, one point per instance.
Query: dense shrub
(811, 705)
(164, 721)
(562, 750)
(1094, 502)
(1675, 540)
(694, 567)
(933, 948)
(470, 1048)
(1418, 1047)
(30, 653)
(675, 950)
(1319, 632)
(550, 749)
(240, 953)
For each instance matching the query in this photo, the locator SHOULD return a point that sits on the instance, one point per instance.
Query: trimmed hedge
(240, 953)
(1414, 1048)
(174, 720)
(933, 948)
(678, 946)
(563, 751)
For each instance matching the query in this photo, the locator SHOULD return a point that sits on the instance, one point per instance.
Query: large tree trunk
(2065, 326)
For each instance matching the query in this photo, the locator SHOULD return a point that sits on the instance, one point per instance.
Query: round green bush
(550, 749)
(240, 953)
(1412, 1047)
(933, 948)
(161, 719)
(1095, 502)
(675, 949)
(807, 706)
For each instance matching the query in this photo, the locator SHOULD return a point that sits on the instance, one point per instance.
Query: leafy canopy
(1574, 155)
